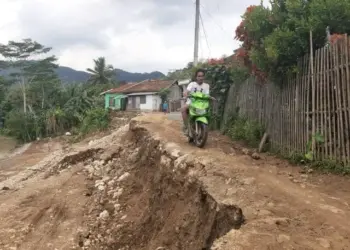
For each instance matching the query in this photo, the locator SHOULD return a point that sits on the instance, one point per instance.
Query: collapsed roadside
(143, 187)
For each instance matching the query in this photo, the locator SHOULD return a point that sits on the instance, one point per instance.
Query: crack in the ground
(155, 203)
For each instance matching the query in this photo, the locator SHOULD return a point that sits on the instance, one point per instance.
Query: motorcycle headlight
(201, 111)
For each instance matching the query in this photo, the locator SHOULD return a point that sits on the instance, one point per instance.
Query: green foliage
(330, 166)
(238, 74)
(318, 138)
(221, 77)
(296, 158)
(185, 73)
(101, 73)
(95, 119)
(34, 103)
(325, 165)
(275, 37)
(3, 89)
(23, 126)
(164, 94)
(220, 81)
(243, 129)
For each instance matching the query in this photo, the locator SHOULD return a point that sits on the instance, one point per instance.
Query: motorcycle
(198, 121)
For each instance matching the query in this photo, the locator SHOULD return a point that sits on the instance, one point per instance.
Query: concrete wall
(175, 92)
(112, 96)
(149, 103)
(152, 102)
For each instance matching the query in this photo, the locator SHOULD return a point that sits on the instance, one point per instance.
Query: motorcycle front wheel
(202, 136)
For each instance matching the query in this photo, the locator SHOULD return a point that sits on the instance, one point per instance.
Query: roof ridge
(151, 85)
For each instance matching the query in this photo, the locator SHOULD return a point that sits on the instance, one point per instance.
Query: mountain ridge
(69, 75)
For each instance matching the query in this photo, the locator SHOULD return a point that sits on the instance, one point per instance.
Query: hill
(67, 74)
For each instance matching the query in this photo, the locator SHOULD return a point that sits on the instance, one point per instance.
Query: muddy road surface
(142, 187)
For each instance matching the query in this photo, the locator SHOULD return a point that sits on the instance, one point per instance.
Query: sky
(133, 35)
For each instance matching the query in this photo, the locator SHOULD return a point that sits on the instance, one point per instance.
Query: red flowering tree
(250, 34)
(335, 38)
(274, 38)
(214, 61)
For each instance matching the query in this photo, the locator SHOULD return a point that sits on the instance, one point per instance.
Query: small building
(146, 94)
(114, 97)
(183, 84)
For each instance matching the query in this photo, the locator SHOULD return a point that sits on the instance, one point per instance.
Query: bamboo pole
(343, 96)
(329, 106)
(316, 110)
(347, 97)
(339, 104)
(323, 104)
(313, 99)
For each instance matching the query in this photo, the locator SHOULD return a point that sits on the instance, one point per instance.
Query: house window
(143, 99)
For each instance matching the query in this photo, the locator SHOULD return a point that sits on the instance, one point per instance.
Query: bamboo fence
(316, 100)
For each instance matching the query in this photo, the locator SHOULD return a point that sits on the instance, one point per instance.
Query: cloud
(134, 35)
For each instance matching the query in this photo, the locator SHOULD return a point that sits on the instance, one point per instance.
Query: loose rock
(104, 215)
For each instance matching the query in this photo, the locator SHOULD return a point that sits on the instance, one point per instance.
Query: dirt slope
(143, 187)
(6, 145)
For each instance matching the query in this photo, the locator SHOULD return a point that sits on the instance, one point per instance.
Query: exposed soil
(143, 187)
(6, 146)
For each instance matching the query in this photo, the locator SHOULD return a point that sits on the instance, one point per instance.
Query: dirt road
(143, 187)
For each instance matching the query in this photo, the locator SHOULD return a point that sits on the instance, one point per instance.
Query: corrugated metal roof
(120, 89)
(144, 86)
(150, 86)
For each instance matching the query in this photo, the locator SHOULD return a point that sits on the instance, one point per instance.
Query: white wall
(152, 103)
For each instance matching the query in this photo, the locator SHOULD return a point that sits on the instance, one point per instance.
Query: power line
(217, 24)
(205, 34)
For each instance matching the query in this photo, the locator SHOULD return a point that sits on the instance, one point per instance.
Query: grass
(243, 129)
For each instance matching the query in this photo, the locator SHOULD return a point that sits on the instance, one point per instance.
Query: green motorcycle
(198, 121)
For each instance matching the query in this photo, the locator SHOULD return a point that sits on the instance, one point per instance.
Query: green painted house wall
(113, 100)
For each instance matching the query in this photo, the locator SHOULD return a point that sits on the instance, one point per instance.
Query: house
(145, 95)
(183, 84)
(114, 97)
(141, 96)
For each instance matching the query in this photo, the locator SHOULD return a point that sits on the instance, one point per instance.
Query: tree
(35, 103)
(20, 56)
(101, 73)
(163, 94)
(274, 38)
(2, 89)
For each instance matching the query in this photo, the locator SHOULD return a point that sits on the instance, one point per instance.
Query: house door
(111, 102)
(155, 104)
(137, 102)
(133, 102)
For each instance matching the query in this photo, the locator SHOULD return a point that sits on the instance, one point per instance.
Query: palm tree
(101, 73)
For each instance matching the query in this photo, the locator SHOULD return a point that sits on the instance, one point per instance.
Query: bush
(249, 131)
(24, 127)
(96, 119)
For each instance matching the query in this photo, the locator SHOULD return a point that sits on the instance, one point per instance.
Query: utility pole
(196, 34)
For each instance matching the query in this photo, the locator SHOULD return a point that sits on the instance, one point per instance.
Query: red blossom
(335, 38)
(214, 61)
(242, 54)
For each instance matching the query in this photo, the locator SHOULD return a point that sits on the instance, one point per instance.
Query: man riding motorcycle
(194, 86)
